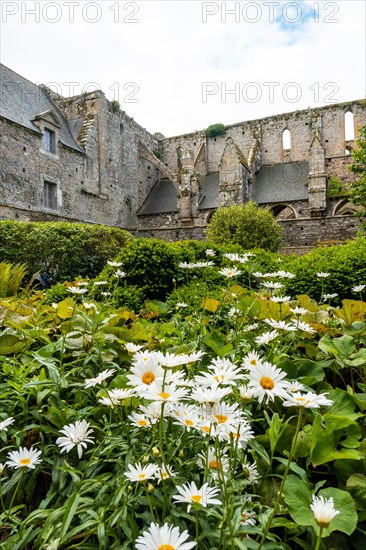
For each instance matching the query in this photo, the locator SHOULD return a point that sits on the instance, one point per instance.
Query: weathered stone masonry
(81, 159)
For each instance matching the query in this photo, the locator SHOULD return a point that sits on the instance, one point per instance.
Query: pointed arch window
(286, 139)
(349, 126)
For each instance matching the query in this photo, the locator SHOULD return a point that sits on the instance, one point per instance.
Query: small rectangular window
(49, 141)
(50, 195)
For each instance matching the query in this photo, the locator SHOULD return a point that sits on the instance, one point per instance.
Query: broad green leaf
(65, 308)
(352, 310)
(356, 484)
(209, 304)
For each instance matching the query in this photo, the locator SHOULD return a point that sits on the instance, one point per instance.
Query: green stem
(275, 508)
(14, 494)
(319, 539)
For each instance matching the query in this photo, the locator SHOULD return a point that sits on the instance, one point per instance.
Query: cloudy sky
(178, 66)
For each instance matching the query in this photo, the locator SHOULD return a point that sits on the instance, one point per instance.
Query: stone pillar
(317, 186)
(232, 165)
(184, 192)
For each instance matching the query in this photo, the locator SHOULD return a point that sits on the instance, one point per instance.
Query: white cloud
(170, 52)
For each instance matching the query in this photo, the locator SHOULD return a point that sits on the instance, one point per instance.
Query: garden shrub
(63, 250)
(149, 264)
(215, 130)
(247, 224)
(346, 264)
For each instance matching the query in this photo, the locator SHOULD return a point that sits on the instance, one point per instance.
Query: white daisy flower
(119, 274)
(141, 473)
(266, 337)
(194, 356)
(186, 416)
(170, 393)
(90, 382)
(24, 458)
(209, 396)
(230, 272)
(250, 327)
(246, 394)
(322, 274)
(299, 310)
(163, 538)
(76, 290)
(190, 494)
(139, 420)
(247, 517)
(304, 327)
(100, 283)
(251, 360)
(323, 510)
(6, 423)
(215, 465)
(179, 305)
(210, 252)
(327, 297)
(358, 288)
(295, 386)
(267, 382)
(281, 299)
(251, 472)
(133, 348)
(114, 264)
(165, 472)
(152, 411)
(271, 285)
(75, 435)
(285, 274)
(116, 396)
(144, 374)
(308, 400)
(222, 374)
(280, 325)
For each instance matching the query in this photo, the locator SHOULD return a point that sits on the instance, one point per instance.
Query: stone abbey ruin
(82, 159)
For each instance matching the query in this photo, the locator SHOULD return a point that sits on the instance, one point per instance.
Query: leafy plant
(11, 277)
(215, 130)
(247, 225)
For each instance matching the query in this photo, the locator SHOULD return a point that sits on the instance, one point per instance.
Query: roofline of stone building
(274, 117)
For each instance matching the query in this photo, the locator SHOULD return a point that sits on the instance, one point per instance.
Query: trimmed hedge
(63, 250)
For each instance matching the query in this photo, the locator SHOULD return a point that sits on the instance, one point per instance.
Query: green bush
(346, 264)
(149, 264)
(63, 250)
(215, 130)
(247, 225)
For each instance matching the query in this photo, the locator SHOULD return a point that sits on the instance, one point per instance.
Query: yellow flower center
(188, 422)
(196, 498)
(164, 395)
(142, 422)
(214, 464)
(266, 383)
(148, 377)
(221, 418)
(253, 362)
(219, 378)
(142, 477)
(205, 429)
(166, 547)
(24, 461)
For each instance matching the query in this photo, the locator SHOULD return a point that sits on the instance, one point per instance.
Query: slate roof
(161, 199)
(281, 183)
(209, 191)
(22, 100)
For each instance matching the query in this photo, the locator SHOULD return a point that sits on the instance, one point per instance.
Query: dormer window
(49, 141)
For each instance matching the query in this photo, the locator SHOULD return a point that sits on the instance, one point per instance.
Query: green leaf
(356, 484)
(69, 514)
(298, 499)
